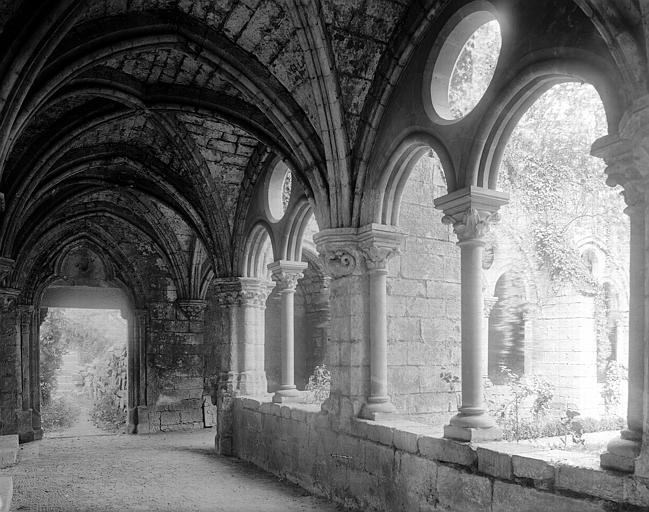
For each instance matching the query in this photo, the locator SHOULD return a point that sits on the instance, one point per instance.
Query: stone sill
(544, 469)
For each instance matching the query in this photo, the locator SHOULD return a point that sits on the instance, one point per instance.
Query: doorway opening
(83, 371)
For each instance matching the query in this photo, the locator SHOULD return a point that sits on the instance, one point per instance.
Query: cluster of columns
(19, 362)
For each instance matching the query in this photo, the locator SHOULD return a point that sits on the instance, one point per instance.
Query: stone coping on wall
(557, 471)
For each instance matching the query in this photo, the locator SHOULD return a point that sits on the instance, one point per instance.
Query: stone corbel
(8, 298)
(6, 267)
(623, 168)
(193, 309)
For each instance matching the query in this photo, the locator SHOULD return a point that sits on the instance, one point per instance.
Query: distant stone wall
(564, 351)
(406, 467)
(424, 303)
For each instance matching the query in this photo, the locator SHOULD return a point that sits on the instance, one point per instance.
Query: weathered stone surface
(514, 498)
(494, 463)
(529, 467)
(594, 482)
(463, 491)
(446, 450)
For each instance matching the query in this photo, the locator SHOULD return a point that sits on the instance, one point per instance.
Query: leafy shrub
(53, 345)
(616, 373)
(106, 382)
(58, 414)
(107, 413)
(319, 385)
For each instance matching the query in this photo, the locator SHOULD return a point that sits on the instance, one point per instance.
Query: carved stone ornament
(287, 273)
(192, 309)
(339, 251)
(8, 298)
(472, 224)
(340, 263)
(623, 168)
(242, 291)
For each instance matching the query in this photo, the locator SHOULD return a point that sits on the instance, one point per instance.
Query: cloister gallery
(263, 187)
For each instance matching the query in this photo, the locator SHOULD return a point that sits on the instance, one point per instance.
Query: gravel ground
(160, 472)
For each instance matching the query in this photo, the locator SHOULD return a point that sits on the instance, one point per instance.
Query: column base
(378, 410)
(474, 435)
(472, 424)
(621, 453)
(288, 394)
(38, 434)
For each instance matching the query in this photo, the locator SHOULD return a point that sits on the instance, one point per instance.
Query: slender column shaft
(288, 339)
(471, 211)
(636, 323)
(378, 337)
(286, 274)
(472, 332)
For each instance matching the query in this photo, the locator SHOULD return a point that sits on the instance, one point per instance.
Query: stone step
(6, 493)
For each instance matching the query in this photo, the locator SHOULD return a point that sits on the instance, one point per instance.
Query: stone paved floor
(160, 472)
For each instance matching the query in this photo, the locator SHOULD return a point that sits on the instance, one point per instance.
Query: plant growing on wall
(53, 345)
(106, 382)
(616, 375)
(319, 385)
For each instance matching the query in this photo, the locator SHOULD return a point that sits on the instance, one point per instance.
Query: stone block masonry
(175, 361)
(403, 465)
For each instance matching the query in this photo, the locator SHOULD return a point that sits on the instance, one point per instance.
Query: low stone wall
(403, 465)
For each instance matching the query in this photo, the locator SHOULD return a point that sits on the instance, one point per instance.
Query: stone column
(140, 319)
(356, 260)
(240, 304)
(286, 274)
(10, 364)
(24, 325)
(621, 453)
(489, 304)
(470, 211)
(378, 244)
(347, 350)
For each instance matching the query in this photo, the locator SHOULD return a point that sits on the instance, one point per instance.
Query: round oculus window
(465, 65)
(279, 191)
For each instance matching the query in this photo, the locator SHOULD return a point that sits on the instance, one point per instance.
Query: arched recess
(260, 250)
(423, 290)
(296, 225)
(518, 96)
(382, 201)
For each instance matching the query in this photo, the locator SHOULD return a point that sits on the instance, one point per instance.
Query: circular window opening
(279, 191)
(465, 65)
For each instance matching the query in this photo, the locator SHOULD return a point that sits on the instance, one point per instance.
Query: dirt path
(161, 472)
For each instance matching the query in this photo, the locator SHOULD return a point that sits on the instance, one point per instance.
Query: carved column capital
(193, 309)
(379, 243)
(242, 291)
(350, 251)
(340, 252)
(287, 273)
(471, 210)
